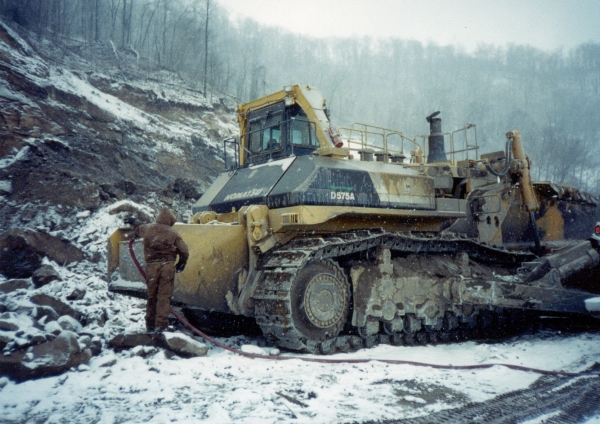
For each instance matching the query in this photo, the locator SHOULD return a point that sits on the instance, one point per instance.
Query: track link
(272, 298)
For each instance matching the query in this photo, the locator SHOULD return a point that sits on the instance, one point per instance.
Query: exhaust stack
(437, 153)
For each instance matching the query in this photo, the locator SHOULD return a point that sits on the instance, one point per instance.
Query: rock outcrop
(51, 358)
(178, 343)
(22, 251)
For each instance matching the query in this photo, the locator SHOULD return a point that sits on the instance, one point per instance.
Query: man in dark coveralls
(162, 244)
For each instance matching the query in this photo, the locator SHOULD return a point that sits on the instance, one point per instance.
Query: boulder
(96, 346)
(13, 321)
(50, 358)
(54, 248)
(4, 340)
(106, 361)
(76, 294)
(44, 275)
(188, 188)
(183, 345)
(60, 307)
(45, 314)
(128, 187)
(131, 340)
(7, 325)
(143, 214)
(69, 323)
(39, 338)
(176, 342)
(18, 259)
(53, 327)
(13, 285)
(21, 252)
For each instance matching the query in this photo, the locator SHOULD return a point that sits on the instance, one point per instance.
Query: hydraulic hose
(508, 158)
(186, 323)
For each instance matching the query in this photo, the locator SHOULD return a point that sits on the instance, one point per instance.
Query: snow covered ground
(224, 388)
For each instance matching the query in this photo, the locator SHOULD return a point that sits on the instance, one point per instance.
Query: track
(273, 299)
(557, 399)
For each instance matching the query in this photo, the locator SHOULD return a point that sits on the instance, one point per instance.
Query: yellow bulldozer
(336, 239)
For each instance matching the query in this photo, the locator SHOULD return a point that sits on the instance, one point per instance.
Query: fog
(551, 95)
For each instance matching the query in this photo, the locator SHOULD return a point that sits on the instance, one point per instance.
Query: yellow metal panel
(112, 249)
(218, 254)
(346, 218)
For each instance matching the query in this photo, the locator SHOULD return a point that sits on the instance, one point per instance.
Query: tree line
(552, 97)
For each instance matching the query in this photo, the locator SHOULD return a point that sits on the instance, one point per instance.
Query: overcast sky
(546, 24)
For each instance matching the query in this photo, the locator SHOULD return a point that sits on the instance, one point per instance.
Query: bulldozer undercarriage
(348, 291)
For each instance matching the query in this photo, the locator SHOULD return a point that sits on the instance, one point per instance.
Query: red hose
(135, 260)
(350, 361)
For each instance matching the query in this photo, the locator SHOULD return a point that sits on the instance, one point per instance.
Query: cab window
(302, 132)
(265, 134)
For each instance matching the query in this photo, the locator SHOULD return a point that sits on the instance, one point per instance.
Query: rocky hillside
(81, 147)
(75, 137)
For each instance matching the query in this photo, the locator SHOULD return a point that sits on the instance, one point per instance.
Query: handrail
(366, 133)
(453, 151)
(468, 147)
(385, 134)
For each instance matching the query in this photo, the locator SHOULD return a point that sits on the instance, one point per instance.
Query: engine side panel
(308, 180)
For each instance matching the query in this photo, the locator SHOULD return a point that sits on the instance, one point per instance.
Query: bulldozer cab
(291, 122)
(276, 132)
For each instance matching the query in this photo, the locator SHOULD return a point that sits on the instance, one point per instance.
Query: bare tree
(206, 44)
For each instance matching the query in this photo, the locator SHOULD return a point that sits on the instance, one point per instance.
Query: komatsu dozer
(337, 239)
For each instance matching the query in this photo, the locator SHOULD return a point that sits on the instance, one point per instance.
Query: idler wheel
(320, 299)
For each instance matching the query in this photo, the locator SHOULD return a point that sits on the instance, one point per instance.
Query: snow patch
(6, 186)
(253, 349)
(8, 161)
(593, 304)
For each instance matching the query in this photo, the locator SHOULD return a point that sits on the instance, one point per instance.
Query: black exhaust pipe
(437, 153)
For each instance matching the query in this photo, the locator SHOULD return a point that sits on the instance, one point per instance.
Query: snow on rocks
(593, 305)
(5, 187)
(53, 357)
(105, 361)
(53, 327)
(22, 252)
(44, 275)
(253, 349)
(15, 284)
(70, 324)
(184, 345)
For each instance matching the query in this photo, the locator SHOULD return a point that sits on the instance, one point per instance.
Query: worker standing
(162, 245)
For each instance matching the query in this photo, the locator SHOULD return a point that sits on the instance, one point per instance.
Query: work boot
(149, 329)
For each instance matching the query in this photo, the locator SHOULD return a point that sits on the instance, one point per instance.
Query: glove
(179, 267)
(129, 221)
